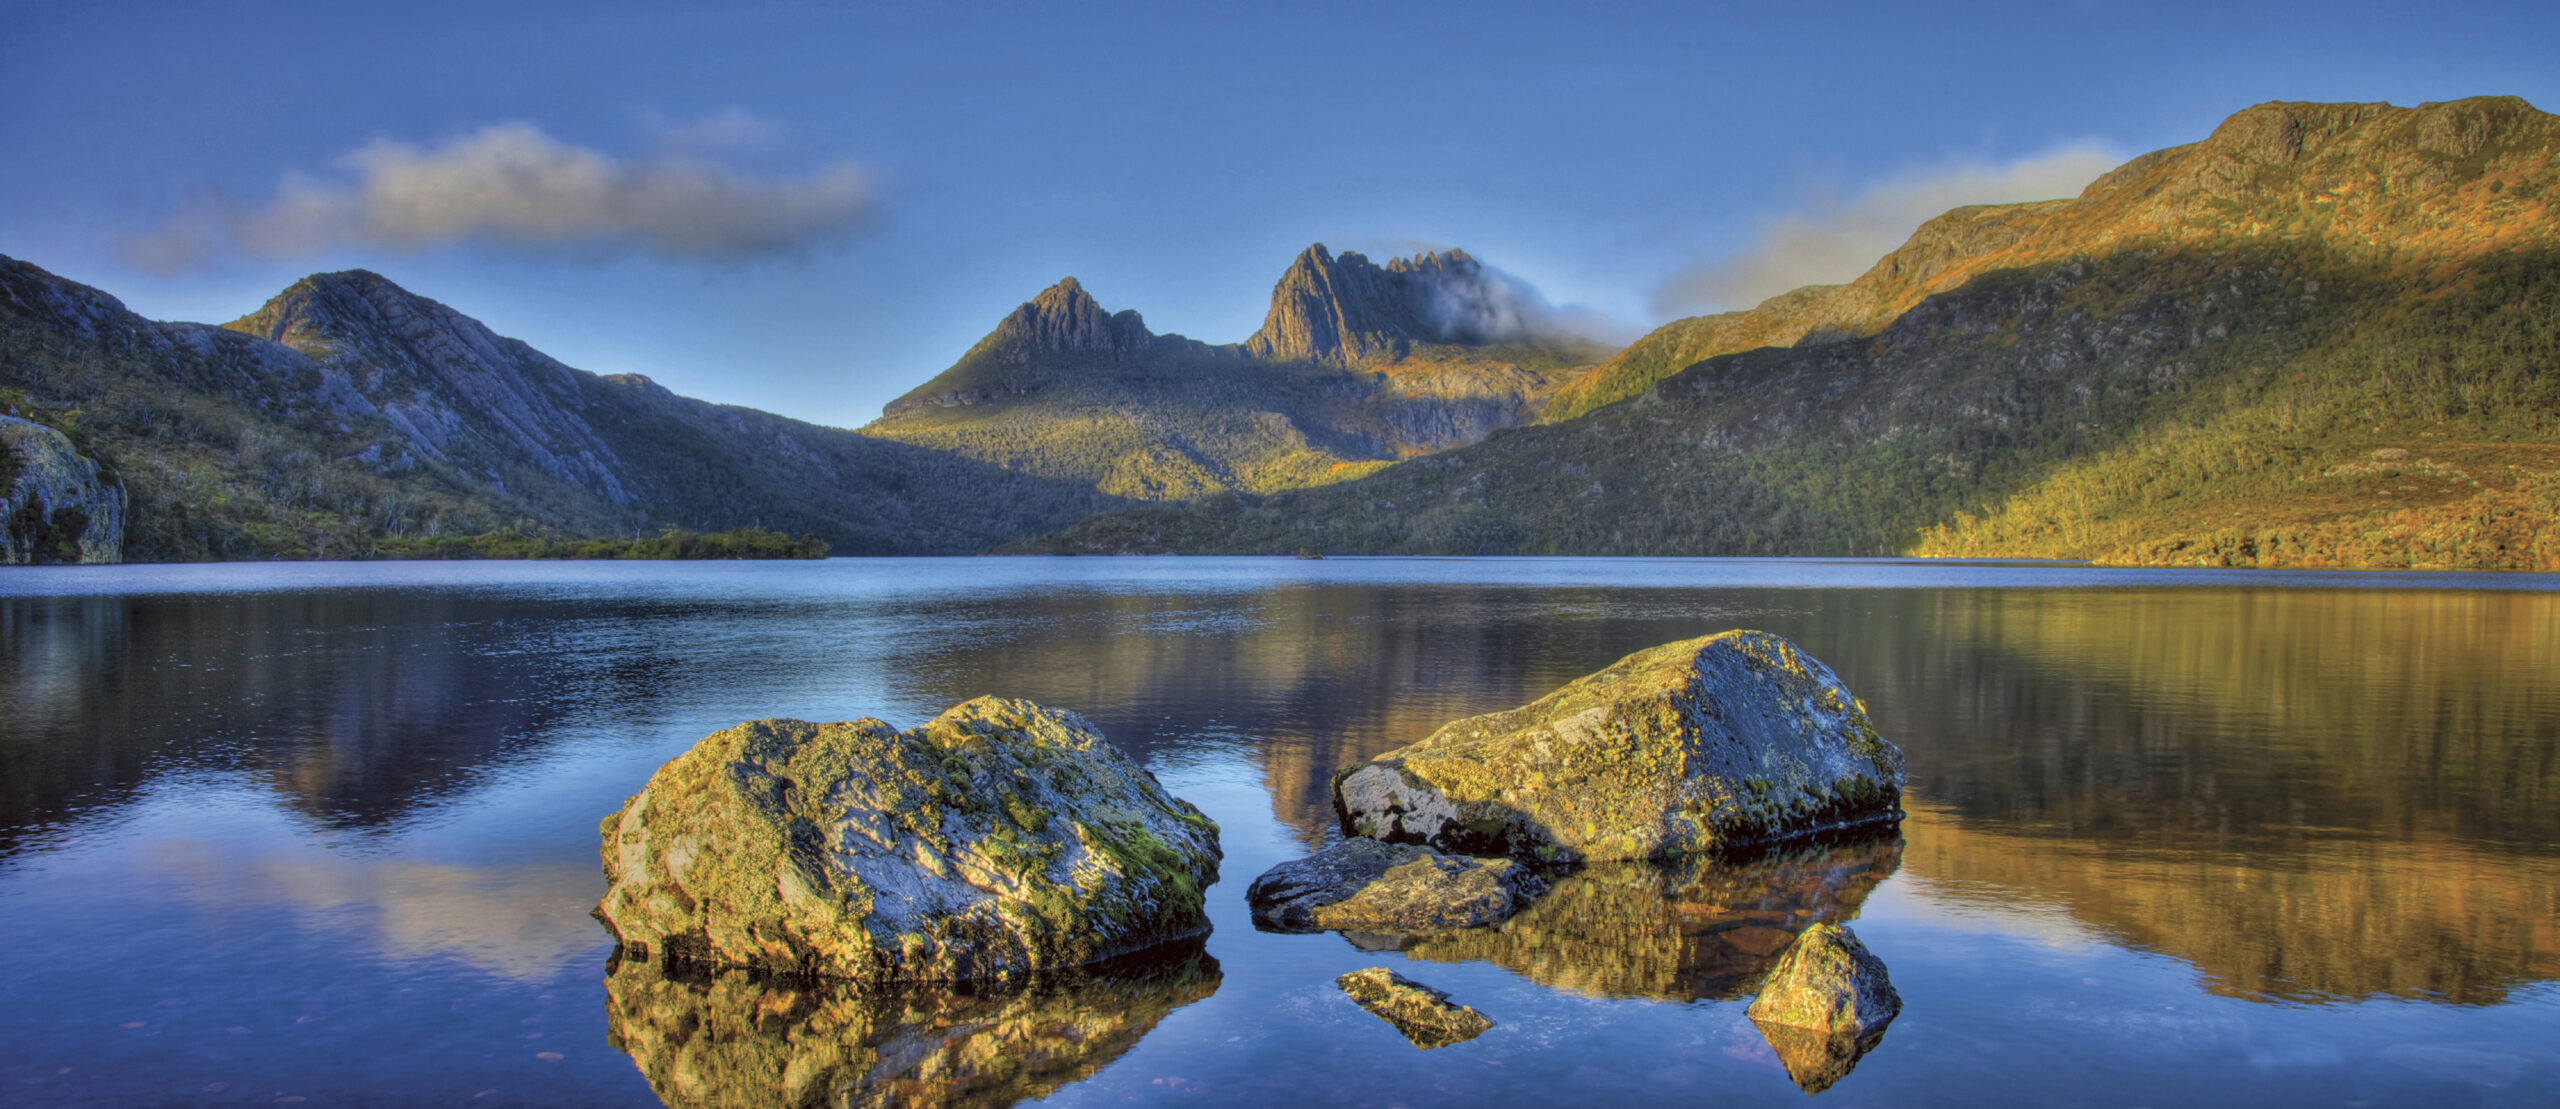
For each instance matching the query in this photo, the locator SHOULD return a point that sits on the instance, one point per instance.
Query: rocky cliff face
(1348, 310)
(55, 505)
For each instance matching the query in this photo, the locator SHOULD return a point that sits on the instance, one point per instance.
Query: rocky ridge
(1358, 364)
(348, 409)
(2420, 187)
(2169, 369)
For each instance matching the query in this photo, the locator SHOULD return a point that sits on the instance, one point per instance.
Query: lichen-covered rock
(1424, 1015)
(1828, 982)
(56, 506)
(706, 1037)
(1000, 838)
(1368, 886)
(1709, 927)
(1730, 740)
(1825, 1005)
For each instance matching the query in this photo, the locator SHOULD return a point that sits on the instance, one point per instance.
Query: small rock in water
(1825, 1005)
(1363, 885)
(1731, 740)
(1000, 839)
(1424, 1015)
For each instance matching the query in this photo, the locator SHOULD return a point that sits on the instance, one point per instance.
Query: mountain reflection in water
(707, 1037)
(2177, 838)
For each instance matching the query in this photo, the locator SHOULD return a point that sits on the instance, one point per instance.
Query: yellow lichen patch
(860, 851)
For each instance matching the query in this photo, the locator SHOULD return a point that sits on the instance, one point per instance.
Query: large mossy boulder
(1731, 740)
(1000, 839)
(1363, 885)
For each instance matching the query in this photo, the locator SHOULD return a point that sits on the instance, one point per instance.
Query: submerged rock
(56, 506)
(1825, 1005)
(1000, 838)
(1426, 1016)
(1367, 886)
(1709, 927)
(1731, 740)
(713, 1037)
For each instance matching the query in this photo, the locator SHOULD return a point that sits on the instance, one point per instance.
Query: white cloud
(513, 185)
(1835, 242)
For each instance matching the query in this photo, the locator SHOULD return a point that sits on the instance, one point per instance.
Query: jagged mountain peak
(1064, 317)
(1345, 308)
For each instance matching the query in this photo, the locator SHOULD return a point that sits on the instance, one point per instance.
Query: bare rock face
(56, 506)
(1825, 1005)
(1424, 1015)
(1348, 310)
(1366, 886)
(1000, 839)
(1731, 740)
(707, 1038)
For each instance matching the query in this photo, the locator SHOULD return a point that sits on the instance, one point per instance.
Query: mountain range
(2325, 335)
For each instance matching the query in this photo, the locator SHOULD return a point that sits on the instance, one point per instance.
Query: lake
(328, 831)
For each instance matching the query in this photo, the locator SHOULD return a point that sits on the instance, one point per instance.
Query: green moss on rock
(1730, 740)
(961, 849)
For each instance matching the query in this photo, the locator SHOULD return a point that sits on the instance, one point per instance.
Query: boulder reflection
(707, 1037)
(1816, 1061)
(1709, 928)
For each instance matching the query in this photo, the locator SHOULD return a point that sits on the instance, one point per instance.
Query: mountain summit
(1066, 318)
(1348, 310)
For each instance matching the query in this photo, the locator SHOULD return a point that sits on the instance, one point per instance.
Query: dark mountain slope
(347, 411)
(1356, 365)
(2229, 376)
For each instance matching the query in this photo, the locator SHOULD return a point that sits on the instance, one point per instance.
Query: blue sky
(811, 208)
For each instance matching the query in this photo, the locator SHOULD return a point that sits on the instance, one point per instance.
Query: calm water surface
(329, 831)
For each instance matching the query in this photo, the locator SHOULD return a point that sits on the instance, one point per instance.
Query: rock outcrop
(999, 839)
(1345, 309)
(709, 1038)
(56, 506)
(1825, 1005)
(1366, 886)
(1726, 741)
(1424, 1015)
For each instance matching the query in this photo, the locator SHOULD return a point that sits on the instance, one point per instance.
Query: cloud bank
(1836, 242)
(512, 185)
(1477, 303)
